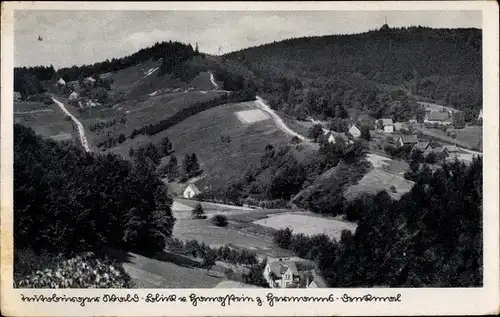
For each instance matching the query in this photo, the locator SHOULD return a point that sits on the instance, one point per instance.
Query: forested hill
(355, 70)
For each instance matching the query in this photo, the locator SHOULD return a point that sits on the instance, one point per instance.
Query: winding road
(279, 122)
(79, 125)
(212, 80)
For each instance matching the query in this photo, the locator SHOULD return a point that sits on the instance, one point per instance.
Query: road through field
(81, 130)
(279, 122)
(212, 80)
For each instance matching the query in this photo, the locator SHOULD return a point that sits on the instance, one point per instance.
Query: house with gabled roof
(191, 191)
(423, 146)
(282, 274)
(355, 131)
(407, 140)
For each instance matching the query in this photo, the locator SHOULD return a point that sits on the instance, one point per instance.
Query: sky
(85, 37)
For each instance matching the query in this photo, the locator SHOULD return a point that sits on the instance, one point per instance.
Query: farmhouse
(438, 117)
(407, 140)
(61, 82)
(334, 138)
(441, 151)
(73, 96)
(282, 274)
(452, 150)
(17, 95)
(191, 191)
(387, 125)
(424, 147)
(355, 131)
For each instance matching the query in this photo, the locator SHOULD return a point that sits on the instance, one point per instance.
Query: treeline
(315, 75)
(152, 129)
(74, 201)
(154, 52)
(28, 80)
(431, 237)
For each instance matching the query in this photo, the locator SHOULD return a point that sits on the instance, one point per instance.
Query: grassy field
(46, 120)
(307, 224)
(221, 161)
(377, 180)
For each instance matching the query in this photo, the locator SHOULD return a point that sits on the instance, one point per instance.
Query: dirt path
(279, 122)
(212, 80)
(81, 130)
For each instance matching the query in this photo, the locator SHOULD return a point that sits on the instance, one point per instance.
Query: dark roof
(440, 149)
(422, 146)
(409, 139)
(280, 267)
(452, 148)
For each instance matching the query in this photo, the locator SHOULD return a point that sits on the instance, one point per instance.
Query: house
(387, 125)
(191, 191)
(412, 120)
(73, 96)
(480, 116)
(282, 274)
(441, 151)
(355, 131)
(453, 151)
(407, 140)
(335, 137)
(61, 82)
(315, 281)
(424, 147)
(438, 117)
(17, 95)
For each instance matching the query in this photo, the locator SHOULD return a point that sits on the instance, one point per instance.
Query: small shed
(73, 96)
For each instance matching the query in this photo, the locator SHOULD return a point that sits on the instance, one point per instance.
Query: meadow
(46, 120)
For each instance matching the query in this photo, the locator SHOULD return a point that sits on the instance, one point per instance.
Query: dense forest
(71, 200)
(432, 237)
(380, 73)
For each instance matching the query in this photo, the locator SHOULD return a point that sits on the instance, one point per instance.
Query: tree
(209, 258)
(166, 146)
(220, 220)
(365, 133)
(295, 140)
(194, 164)
(187, 165)
(121, 138)
(99, 93)
(198, 212)
(315, 131)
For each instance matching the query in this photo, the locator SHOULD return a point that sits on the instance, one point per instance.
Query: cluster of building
(284, 273)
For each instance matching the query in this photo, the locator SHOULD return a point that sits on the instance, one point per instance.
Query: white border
(429, 301)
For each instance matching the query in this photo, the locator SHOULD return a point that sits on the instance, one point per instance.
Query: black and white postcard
(249, 159)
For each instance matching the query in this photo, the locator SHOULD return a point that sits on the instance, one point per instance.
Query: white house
(333, 138)
(387, 125)
(61, 82)
(89, 81)
(355, 131)
(282, 274)
(191, 191)
(73, 96)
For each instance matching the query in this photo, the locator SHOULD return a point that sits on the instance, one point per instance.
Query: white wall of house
(355, 132)
(189, 192)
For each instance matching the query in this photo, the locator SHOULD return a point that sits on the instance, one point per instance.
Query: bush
(83, 271)
(198, 212)
(220, 220)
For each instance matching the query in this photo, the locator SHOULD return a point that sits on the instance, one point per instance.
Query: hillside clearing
(377, 180)
(252, 116)
(308, 225)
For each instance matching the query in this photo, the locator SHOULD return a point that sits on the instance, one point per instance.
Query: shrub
(220, 220)
(83, 271)
(198, 212)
